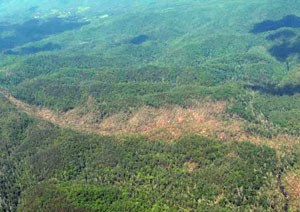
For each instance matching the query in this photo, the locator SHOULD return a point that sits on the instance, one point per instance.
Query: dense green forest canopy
(54, 169)
(110, 57)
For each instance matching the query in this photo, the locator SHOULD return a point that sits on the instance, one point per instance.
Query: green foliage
(49, 199)
(197, 50)
(135, 175)
(281, 111)
(60, 169)
(56, 94)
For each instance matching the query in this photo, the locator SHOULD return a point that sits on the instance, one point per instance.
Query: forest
(59, 169)
(149, 106)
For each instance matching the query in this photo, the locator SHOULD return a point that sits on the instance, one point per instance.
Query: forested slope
(47, 168)
(153, 105)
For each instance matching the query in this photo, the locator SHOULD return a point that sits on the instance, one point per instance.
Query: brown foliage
(292, 184)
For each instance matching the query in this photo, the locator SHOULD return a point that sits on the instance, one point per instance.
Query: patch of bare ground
(292, 186)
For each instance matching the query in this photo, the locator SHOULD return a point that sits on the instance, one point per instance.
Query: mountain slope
(110, 104)
(57, 169)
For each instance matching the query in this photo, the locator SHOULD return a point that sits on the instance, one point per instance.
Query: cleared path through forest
(167, 123)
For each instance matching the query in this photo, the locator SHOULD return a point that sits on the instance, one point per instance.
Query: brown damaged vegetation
(169, 122)
(292, 184)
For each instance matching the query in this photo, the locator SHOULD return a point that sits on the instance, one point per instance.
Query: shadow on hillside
(34, 50)
(291, 21)
(139, 39)
(282, 51)
(282, 35)
(13, 35)
(288, 90)
(286, 42)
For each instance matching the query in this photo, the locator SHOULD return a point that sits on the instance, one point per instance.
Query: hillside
(153, 105)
